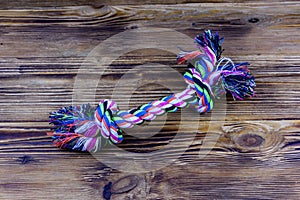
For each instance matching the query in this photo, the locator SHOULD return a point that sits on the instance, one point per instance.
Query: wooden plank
(249, 151)
(242, 167)
(6, 4)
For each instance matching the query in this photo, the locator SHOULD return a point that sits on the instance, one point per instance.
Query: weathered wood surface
(43, 44)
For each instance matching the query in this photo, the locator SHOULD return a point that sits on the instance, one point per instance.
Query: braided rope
(82, 127)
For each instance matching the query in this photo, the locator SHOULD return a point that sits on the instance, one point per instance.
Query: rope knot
(203, 91)
(105, 121)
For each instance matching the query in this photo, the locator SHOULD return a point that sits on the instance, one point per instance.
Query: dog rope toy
(82, 127)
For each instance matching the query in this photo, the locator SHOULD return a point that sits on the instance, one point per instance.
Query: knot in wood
(125, 184)
(250, 140)
(253, 20)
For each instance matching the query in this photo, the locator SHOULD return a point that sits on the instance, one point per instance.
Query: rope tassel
(84, 128)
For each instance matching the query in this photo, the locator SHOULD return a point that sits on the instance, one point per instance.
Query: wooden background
(43, 44)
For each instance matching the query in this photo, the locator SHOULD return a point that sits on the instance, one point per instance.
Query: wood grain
(255, 147)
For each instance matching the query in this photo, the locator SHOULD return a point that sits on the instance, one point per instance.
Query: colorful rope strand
(82, 127)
